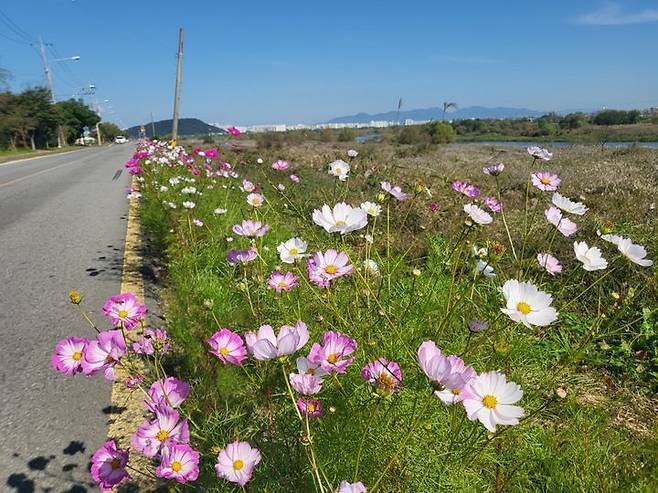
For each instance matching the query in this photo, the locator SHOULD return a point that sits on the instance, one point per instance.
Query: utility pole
(152, 127)
(179, 75)
(49, 78)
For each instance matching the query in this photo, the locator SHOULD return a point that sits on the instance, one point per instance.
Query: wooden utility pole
(49, 79)
(152, 127)
(179, 75)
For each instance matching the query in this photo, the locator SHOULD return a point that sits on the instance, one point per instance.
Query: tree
(109, 130)
(347, 134)
(73, 116)
(448, 106)
(440, 132)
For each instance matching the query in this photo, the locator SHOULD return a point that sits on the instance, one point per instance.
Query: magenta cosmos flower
(166, 429)
(153, 340)
(179, 462)
(549, 263)
(448, 371)
(384, 375)
(333, 354)
(294, 178)
(103, 353)
(234, 131)
(265, 345)
(493, 204)
(309, 407)
(545, 181)
(330, 265)
(169, 392)
(394, 191)
(228, 347)
(68, 355)
(251, 228)
(236, 462)
(280, 165)
(493, 169)
(282, 282)
(235, 257)
(124, 309)
(305, 383)
(108, 466)
(465, 188)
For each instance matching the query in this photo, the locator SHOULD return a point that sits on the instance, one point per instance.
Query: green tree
(73, 116)
(347, 134)
(109, 131)
(440, 132)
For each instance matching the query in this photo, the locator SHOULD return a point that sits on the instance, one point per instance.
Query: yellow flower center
(162, 435)
(456, 391)
(331, 269)
(523, 307)
(310, 371)
(293, 251)
(223, 351)
(310, 407)
(546, 180)
(123, 314)
(176, 466)
(489, 401)
(332, 358)
(386, 382)
(77, 356)
(238, 464)
(116, 463)
(340, 222)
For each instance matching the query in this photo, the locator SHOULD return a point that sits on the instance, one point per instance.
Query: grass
(10, 155)
(590, 408)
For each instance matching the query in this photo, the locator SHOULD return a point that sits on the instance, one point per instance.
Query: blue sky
(304, 61)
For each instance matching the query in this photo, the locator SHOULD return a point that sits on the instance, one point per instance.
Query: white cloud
(611, 14)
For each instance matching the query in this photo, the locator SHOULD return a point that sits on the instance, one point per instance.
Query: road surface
(62, 227)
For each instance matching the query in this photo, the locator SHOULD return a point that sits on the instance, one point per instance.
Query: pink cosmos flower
(549, 263)
(197, 222)
(346, 487)
(248, 186)
(394, 191)
(309, 407)
(385, 375)
(135, 170)
(564, 225)
(453, 394)
(108, 466)
(255, 199)
(251, 228)
(211, 153)
(493, 204)
(166, 429)
(282, 282)
(434, 206)
(134, 381)
(179, 462)
(294, 178)
(169, 392)
(234, 131)
(228, 347)
(235, 257)
(280, 165)
(331, 264)
(68, 355)
(539, 153)
(307, 367)
(124, 309)
(333, 354)
(315, 275)
(307, 384)
(103, 353)
(545, 181)
(449, 371)
(153, 340)
(265, 345)
(493, 169)
(236, 462)
(466, 188)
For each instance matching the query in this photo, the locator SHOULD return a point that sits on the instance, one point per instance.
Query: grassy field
(589, 380)
(10, 155)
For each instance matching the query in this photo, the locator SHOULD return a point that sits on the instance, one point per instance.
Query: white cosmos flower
(526, 304)
(564, 225)
(343, 218)
(635, 253)
(371, 266)
(478, 215)
(220, 211)
(189, 204)
(484, 267)
(352, 153)
(569, 206)
(255, 199)
(291, 250)
(590, 257)
(340, 169)
(371, 208)
(490, 400)
(614, 239)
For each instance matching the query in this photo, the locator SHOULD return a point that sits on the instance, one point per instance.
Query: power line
(15, 28)
(14, 40)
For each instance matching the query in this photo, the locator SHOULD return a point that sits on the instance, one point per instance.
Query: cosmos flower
(179, 462)
(234, 131)
(448, 371)
(331, 264)
(306, 367)
(166, 429)
(169, 392)
(346, 487)
(219, 211)
(384, 375)
(333, 354)
(248, 186)
(352, 153)
(108, 466)
(466, 188)
(197, 222)
(633, 252)
(228, 347)
(235, 257)
(545, 181)
(493, 204)
(394, 191)
(485, 268)
(280, 165)
(564, 225)
(539, 153)
(493, 169)
(549, 263)
(124, 309)
(455, 389)
(491, 400)
(567, 205)
(309, 407)
(339, 169)
(371, 208)
(291, 250)
(478, 215)
(68, 355)
(343, 218)
(305, 383)
(526, 304)
(282, 282)
(590, 257)
(265, 345)
(294, 178)
(251, 228)
(188, 204)
(371, 266)
(151, 341)
(255, 199)
(103, 353)
(236, 462)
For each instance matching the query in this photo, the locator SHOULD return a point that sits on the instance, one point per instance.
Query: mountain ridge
(436, 113)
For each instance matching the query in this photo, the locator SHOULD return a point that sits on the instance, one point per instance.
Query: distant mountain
(186, 126)
(437, 114)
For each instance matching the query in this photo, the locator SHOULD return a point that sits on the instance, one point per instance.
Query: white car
(120, 139)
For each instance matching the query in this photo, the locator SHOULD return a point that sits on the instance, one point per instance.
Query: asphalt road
(62, 226)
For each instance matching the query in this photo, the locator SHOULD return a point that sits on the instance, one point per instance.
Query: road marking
(47, 170)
